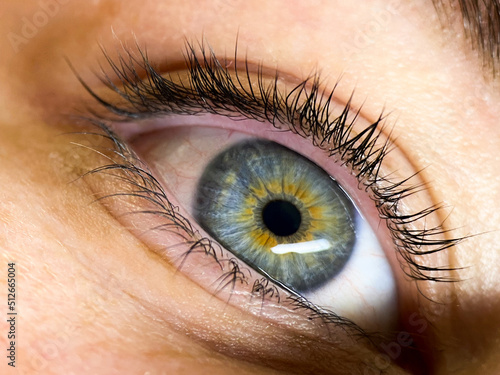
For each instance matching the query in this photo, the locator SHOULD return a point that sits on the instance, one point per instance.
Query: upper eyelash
(213, 88)
(305, 109)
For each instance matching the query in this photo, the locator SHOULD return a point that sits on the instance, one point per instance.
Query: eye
(270, 196)
(280, 214)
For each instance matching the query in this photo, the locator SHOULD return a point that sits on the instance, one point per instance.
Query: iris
(278, 212)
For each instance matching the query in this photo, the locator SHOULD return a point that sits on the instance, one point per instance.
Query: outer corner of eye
(281, 215)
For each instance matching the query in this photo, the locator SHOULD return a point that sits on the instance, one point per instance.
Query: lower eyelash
(126, 167)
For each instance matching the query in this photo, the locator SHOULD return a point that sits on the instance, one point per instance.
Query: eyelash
(305, 110)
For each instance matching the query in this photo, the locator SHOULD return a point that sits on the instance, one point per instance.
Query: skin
(86, 303)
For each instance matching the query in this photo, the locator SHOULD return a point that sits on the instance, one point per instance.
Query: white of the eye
(365, 290)
(302, 247)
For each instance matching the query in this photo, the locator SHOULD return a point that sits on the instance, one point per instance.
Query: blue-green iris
(258, 197)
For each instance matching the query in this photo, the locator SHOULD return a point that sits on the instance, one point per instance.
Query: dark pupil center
(281, 217)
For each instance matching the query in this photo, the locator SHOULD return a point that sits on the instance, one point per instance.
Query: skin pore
(93, 298)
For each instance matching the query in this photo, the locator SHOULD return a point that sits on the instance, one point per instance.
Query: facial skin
(92, 298)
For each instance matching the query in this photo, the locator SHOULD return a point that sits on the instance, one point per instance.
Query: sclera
(371, 303)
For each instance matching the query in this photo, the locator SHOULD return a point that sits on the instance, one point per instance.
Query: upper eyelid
(305, 109)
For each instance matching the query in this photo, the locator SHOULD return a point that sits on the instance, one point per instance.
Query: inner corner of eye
(280, 214)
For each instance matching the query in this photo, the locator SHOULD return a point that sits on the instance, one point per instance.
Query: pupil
(281, 217)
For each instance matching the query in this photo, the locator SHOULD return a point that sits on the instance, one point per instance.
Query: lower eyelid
(183, 231)
(149, 144)
(302, 144)
(290, 335)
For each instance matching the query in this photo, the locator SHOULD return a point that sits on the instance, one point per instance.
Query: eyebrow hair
(481, 23)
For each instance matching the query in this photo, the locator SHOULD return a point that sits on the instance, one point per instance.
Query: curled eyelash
(214, 88)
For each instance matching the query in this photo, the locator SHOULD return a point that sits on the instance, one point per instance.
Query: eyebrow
(481, 23)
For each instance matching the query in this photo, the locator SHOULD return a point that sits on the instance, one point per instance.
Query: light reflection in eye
(362, 287)
(306, 247)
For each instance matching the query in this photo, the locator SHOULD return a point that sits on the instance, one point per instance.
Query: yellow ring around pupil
(301, 195)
